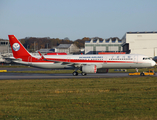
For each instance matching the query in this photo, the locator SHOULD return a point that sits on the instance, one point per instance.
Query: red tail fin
(17, 48)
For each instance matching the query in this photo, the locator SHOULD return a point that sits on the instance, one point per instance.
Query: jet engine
(89, 69)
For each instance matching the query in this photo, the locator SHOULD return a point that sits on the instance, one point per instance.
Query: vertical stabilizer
(18, 49)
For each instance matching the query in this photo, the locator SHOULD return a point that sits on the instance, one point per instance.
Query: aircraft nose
(153, 63)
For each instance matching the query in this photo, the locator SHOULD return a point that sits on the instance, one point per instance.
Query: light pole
(47, 45)
(8, 46)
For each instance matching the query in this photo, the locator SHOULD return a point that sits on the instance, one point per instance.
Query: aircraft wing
(56, 61)
(11, 59)
(63, 63)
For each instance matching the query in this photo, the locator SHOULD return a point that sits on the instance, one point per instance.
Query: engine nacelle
(89, 69)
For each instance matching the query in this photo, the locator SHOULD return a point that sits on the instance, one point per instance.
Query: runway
(20, 76)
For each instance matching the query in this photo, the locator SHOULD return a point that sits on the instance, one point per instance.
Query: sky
(76, 19)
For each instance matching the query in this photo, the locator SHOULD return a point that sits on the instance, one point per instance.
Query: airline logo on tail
(16, 47)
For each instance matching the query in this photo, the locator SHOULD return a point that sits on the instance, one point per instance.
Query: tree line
(46, 42)
(42, 43)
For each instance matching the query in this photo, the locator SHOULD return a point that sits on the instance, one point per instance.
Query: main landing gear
(75, 73)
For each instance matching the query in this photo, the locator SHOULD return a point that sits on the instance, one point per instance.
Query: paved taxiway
(19, 76)
(10, 76)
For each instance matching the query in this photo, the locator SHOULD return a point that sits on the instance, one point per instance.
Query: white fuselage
(116, 61)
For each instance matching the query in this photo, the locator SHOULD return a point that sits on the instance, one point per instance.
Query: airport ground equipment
(3, 70)
(150, 72)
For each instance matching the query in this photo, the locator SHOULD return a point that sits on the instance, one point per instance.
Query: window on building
(119, 41)
(107, 41)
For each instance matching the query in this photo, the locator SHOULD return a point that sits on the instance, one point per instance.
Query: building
(5, 50)
(5, 47)
(43, 51)
(141, 43)
(67, 48)
(107, 45)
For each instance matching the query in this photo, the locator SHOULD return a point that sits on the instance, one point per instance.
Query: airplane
(94, 63)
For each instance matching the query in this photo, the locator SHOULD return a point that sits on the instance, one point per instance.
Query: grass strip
(79, 99)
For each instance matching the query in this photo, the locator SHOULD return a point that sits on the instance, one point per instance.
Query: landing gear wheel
(83, 74)
(75, 73)
(142, 74)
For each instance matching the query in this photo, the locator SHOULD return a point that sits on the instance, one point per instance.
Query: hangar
(131, 43)
(141, 43)
(94, 46)
(4, 46)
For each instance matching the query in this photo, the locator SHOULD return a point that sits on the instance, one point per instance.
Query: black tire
(142, 74)
(75, 73)
(83, 74)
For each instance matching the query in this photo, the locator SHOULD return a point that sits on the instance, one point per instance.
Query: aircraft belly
(49, 66)
(125, 65)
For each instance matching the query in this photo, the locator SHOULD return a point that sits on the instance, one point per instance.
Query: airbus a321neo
(98, 63)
